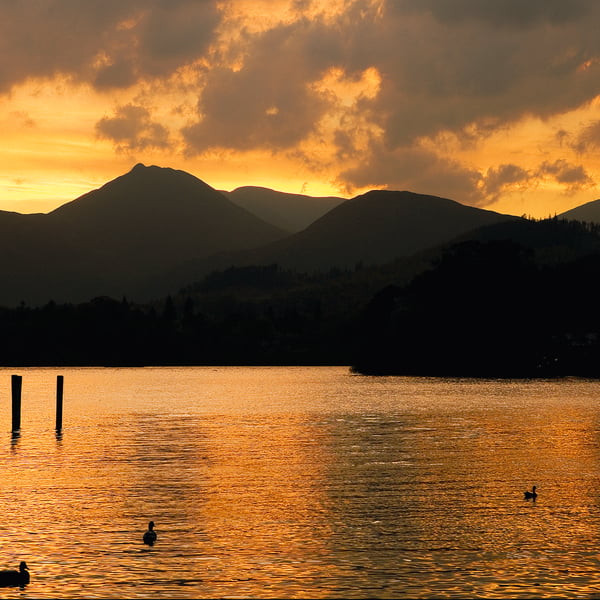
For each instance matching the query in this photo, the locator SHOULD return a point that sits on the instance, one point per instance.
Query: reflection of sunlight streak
(265, 492)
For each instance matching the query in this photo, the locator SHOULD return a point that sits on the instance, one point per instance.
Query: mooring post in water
(59, 401)
(17, 384)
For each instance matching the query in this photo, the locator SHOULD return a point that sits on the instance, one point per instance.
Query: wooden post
(59, 401)
(17, 384)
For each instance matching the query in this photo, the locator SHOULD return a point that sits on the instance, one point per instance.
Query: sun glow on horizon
(322, 99)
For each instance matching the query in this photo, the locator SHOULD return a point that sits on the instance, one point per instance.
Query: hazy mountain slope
(590, 212)
(154, 230)
(373, 228)
(532, 284)
(551, 240)
(291, 212)
(117, 240)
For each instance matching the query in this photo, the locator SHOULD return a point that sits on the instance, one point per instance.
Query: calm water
(300, 483)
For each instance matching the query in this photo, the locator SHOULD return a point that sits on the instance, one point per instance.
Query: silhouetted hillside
(120, 239)
(154, 231)
(492, 307)
(371, 229)
(374, 228)
(551, 241)
(589, 212)
(159, 215)
(290, 212)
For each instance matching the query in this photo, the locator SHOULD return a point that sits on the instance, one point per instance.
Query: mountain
(483, 307)
(290, 212)
(551, 241)
(119, 239)
(589, 212)
(154, 230)
(523, 304)
(373, 228)
(161, 215)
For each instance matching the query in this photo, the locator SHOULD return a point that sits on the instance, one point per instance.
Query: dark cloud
(133, 129)
(174, 33)
(109, 43)
(461, 67)
(588, 138)
(506, 177)
(269, 102)
(119, 74)
(414, 168)
(244, 110)
(50, 37)
(572, 177)
(441, 70)
(497, 13)
(455, 75)
(437, 74)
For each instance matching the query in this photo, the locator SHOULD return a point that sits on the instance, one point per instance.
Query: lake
(302, 482)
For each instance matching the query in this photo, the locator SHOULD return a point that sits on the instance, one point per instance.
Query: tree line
(481, 307)
(487, 309)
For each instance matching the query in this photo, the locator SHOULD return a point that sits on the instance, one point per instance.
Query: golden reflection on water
(264, 503)
(304, 483)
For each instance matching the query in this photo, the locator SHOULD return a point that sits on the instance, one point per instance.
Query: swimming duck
(532, 494)
(13, 577)
(150, 535)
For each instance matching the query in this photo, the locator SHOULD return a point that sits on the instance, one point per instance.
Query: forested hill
(493, 307)
(153, 230)
(373, 228)
(589, 212)
(482, 307)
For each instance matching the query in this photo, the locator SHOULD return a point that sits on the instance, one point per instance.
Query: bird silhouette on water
(150, 535)
(12, 577)
(531, 495)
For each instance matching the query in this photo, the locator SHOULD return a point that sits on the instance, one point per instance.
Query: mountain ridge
(116, 239)
(154, 230)
(588, 212)
(292, 212)
(371, 228)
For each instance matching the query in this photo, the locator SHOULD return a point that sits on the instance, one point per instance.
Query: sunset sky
(493, 103)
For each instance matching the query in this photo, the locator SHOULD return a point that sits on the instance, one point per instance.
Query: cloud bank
(378, 93)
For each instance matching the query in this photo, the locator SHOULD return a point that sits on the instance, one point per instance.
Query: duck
(532, 494)
(10, 577)
(150, 535)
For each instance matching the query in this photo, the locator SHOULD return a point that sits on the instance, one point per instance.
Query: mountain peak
(142, 169)
(157, 181)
